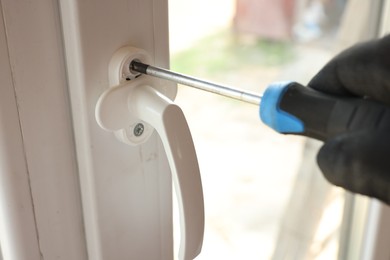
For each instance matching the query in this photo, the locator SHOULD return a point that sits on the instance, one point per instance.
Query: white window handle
(132, 110)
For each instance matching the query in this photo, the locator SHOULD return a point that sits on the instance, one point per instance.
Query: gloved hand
(358, 161)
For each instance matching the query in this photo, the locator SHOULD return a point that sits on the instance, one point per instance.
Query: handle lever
(150, 106)
(171, 125)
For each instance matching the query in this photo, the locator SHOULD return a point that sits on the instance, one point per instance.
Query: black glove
(358, 161)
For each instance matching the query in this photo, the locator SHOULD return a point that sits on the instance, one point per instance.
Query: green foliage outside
(223, 52)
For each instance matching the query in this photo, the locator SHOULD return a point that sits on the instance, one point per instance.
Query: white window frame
(68, 188)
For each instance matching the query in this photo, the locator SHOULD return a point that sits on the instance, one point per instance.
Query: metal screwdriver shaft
(222, 90)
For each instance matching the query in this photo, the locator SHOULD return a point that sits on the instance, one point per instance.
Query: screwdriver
(226, 91)
(291, 108)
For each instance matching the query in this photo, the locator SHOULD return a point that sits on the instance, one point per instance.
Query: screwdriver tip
(137, 66)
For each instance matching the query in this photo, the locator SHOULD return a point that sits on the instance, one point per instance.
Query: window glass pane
(265, 197)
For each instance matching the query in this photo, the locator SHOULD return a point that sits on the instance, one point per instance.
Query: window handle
(132, 110)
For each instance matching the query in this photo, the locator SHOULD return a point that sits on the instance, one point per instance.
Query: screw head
(139, 129)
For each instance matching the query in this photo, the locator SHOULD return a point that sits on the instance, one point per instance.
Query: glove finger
(362, 70)
(358, 162)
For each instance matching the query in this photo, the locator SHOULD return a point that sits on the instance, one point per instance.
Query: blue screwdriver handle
(290, 108)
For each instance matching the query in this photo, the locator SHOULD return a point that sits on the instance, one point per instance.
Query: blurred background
(265, 197)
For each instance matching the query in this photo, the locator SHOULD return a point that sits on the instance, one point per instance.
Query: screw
(139, 129)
